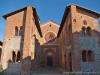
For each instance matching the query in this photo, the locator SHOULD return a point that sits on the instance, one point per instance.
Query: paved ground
(58, 71)
(47, 70)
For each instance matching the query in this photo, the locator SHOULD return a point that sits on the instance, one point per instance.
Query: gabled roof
(14, 12)
(50, 21)
(63, 20)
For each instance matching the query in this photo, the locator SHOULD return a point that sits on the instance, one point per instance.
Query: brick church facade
(74, 45)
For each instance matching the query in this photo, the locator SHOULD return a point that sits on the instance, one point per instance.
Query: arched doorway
(49, 59)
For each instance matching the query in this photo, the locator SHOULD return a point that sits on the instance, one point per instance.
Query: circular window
(49, 36)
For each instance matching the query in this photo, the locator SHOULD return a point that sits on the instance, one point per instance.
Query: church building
(73, 46)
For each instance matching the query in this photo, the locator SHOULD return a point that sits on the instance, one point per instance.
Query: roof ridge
(18, 9)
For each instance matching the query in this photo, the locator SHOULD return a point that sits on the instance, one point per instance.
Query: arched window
(16, 31)
(13, 56)
(88, 31)
(90, 55)
(21, 30)
(84, 22)
(74, 20)
(18, 56)
(87, 56)
(84, 56)
(83, 28)
(83, 31)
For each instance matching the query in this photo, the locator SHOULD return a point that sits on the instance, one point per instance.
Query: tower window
(83, 30)
(18, 56)
(84, 22)
(74, 20)
(88, 31)
(16, 31)
(13, 56)
(21, 30)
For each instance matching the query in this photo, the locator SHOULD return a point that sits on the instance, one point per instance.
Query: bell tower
(17, 46)
(84, 24)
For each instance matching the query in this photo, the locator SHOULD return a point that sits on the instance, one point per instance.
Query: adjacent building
(79, 39)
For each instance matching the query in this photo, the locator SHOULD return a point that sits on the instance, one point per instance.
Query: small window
(16, 31)
(84, 22)
(84, 56)
(90, 55)
(83, 28)
(13, 56)
(18, 56)
(21, 30)
(74, 20)
(83, 31)
(49, 26)
(21, 27)
(87, 56)
(88, 31)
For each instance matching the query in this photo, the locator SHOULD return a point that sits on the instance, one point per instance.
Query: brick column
(75, 52)
(26, 58)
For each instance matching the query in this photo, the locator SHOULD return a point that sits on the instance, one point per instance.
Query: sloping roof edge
(37, 21)
(35, 14)
(86, 9)
(63, 20)
(16, 11)
(51, 22)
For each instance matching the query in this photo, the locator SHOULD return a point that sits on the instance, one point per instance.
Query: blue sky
(46, 9)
